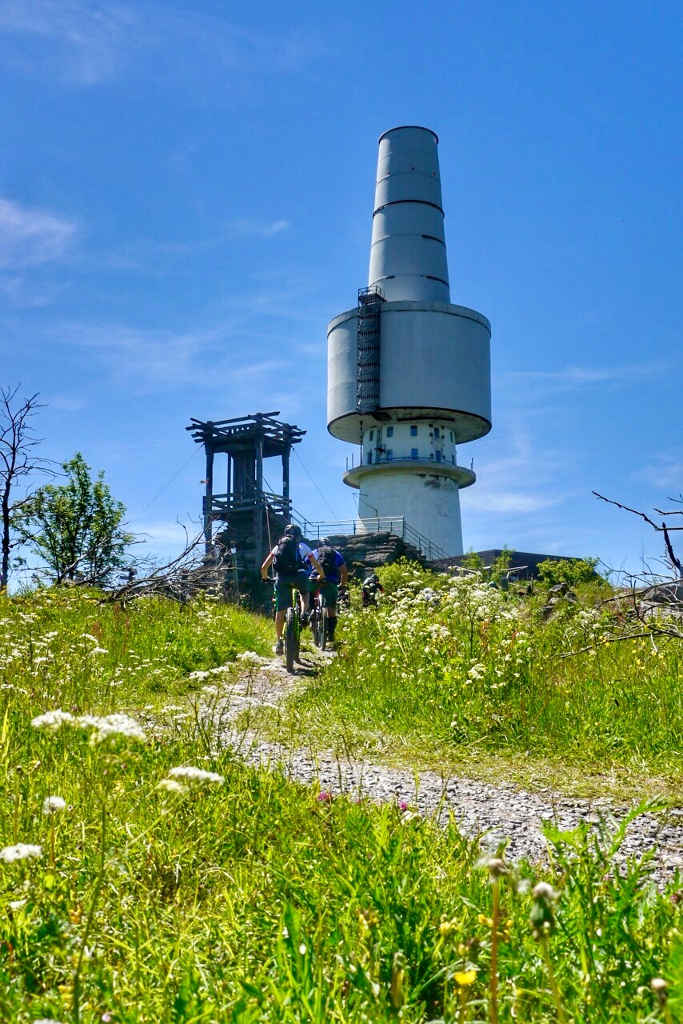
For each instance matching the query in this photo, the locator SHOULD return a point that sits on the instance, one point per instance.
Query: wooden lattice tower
(251, 517)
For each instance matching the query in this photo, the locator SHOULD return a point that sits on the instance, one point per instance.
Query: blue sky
(185, 201)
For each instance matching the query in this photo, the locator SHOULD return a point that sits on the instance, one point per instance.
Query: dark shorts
(329, 592)
(283, 589)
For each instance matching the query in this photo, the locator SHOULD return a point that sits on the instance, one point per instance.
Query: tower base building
(408, 372)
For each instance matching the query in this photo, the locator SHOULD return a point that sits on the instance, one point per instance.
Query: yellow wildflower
(465, 978)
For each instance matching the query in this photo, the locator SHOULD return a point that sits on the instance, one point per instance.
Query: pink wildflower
(324, 797)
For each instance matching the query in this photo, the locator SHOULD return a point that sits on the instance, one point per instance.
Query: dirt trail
(502, 811)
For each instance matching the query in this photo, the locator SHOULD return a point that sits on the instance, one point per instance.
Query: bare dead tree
(664, 528)
(651, 605)
(189, 573)
(17, 462)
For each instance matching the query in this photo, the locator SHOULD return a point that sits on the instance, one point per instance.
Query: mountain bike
(292, 632)
(318, 621)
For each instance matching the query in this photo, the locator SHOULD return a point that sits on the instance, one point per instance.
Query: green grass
(472, 679)
(254, 900)
(80, 653)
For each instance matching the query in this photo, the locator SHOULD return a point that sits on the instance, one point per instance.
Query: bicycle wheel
(297, 642)
(323, 630)
(318, 624)
(291, 639)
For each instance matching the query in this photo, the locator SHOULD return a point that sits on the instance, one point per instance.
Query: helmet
(292, 530)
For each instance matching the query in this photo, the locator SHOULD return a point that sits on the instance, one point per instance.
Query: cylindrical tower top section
(408, 250)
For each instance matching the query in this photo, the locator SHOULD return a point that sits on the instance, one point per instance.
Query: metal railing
(382, 460)
(396, 525)
(226, 503)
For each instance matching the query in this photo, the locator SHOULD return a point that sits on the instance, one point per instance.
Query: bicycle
(319, 619)
(291, 634)
(318, 622)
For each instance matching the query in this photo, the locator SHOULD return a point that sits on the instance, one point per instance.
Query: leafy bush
(571, 571)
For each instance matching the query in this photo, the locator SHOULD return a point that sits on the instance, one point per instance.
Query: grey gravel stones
(495, 812)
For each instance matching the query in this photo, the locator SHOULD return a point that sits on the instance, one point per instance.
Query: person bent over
(288, 559)
(370, 589)
(335, 575)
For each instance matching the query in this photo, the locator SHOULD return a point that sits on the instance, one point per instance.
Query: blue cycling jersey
(332, 575)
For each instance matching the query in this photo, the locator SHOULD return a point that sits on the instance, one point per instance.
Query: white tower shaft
(408, 372)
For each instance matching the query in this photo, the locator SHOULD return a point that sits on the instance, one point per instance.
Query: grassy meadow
(457, 674)
(147, 876)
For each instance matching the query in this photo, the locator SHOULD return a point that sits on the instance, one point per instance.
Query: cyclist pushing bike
(288, 559)
(335, 576)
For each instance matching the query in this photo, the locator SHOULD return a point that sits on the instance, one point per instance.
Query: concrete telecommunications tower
(408, 372)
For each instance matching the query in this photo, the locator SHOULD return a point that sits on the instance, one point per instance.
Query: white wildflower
(250, 657)
(87, 721)
(21, 851)
(113, 725)
(99, 650)
(17, 904)
(544, 891)
(52, 721)
(192, 774)
(172, 786)
(53, 804)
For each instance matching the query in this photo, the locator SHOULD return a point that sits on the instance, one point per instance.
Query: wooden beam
(208, 500)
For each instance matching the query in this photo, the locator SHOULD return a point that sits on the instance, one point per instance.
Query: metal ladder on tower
(368, 349)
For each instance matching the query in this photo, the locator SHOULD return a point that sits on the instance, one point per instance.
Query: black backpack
(286, 561)
(326, 557)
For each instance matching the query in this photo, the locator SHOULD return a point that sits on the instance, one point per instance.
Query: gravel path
(501, 811)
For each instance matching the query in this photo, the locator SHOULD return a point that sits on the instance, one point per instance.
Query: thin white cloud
(153, 360)
(29, 236)
(144, 254)
(573, 377)
(514, 489)
(66, 403)
(92, 43)
(88, 41)
(22, 291)
(162, 533)
(261, 229)
(496, 501)
(664, 471)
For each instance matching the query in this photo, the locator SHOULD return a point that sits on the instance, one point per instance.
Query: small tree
(76, 527)
(17, 461)
(571, 571)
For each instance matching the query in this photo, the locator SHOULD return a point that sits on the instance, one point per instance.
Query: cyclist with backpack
(335, 576)
(370, 589)
(288, 558)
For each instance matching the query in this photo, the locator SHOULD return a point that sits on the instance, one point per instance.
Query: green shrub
(570, 570)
